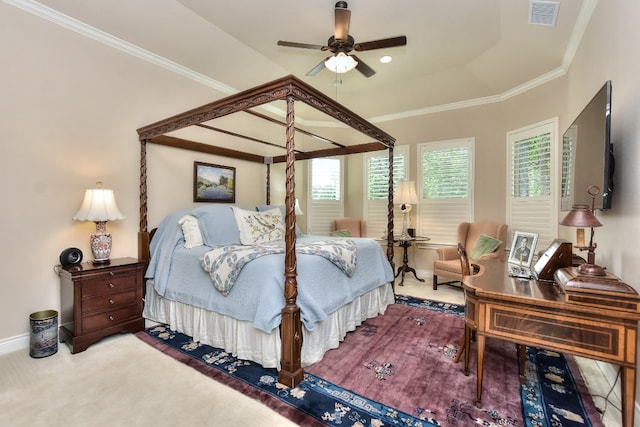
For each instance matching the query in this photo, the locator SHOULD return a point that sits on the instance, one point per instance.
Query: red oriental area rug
(398, 369)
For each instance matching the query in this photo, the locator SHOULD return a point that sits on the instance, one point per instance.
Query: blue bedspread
(257, 295)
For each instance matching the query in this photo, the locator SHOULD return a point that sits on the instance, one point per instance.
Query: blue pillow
(217, 225)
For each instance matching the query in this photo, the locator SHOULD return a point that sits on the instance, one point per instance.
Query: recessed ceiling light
(385, 59)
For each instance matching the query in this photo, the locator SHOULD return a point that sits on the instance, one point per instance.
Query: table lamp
(406, 196)
(584, 216)
(99, 205)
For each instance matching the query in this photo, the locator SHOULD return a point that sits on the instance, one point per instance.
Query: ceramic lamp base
(101, 244)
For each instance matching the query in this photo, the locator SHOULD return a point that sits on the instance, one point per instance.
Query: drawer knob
(111, 318)
(111, 302)
(111, 285)
(111, 273)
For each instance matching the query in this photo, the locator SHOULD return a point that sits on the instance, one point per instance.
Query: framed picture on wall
(523, 248)
(214, 183)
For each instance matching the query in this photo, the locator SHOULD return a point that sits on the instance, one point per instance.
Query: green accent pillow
(341, 233)
(484, 245)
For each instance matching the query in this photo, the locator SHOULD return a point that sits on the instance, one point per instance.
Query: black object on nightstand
(98, 300)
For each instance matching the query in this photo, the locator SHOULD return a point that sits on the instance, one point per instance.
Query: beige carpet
(119, 381)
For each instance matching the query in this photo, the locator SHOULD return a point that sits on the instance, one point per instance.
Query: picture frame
(214, 183)
(523, 247)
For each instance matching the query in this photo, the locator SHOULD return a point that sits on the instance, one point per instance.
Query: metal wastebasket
(43, 339)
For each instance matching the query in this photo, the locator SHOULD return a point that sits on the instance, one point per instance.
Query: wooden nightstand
(100, 300)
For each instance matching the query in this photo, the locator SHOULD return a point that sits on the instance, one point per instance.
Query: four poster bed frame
(289, 89)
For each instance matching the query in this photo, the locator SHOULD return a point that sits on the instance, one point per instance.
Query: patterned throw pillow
(259, 227)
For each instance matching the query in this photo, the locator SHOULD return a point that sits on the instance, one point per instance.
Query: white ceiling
(457, 52)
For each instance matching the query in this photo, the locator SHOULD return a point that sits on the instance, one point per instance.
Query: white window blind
(445, 188)
(532, 205)
(325, 201)
(377, 195)
(568, 166)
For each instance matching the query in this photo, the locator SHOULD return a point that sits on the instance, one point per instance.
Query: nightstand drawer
(109, 301)
(108, 283)
(108, 318)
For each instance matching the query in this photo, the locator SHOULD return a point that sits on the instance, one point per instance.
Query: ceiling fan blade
(363, 68)
(343, 18)
(302, 45)
(380, 44)
(315, 70)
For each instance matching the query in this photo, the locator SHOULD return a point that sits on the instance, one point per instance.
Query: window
(531, 202)
(445, 188)
(325, 198)
(376, 203)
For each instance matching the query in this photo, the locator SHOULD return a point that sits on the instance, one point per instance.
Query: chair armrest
(447, 253)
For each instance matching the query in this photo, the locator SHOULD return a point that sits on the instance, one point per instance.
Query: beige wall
(70, 107)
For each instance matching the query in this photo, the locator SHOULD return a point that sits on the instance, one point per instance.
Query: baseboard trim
(11, 344)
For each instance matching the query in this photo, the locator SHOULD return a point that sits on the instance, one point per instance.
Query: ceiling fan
(341, 43)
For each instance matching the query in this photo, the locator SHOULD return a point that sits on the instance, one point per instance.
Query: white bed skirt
(241, 339)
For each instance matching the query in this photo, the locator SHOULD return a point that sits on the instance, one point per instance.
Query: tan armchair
(448, 262)
(357, 227)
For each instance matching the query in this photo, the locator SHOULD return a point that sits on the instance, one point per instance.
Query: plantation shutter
(446, 188)
(531, 202)
(325, 203)
(377, 196)
(568, 158)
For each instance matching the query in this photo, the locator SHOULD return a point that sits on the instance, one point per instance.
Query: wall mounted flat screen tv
(587, 154)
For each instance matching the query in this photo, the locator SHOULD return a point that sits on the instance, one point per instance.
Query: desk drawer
(591, 338)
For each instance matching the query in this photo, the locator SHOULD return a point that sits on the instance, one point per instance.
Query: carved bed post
(269, 161)
(291, 373)
(143, 235)
(390, 214)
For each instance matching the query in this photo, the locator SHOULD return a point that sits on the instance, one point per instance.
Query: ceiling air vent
(543, 12)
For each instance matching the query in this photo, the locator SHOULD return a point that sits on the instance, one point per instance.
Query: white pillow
(190, 231)
(259, 227)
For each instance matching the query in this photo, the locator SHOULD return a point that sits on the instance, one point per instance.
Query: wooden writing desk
(537, 314)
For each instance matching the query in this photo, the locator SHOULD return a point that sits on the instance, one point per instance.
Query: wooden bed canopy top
(289, 89)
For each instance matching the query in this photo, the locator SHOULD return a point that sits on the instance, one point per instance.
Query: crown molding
(93, 33)
(584, 16)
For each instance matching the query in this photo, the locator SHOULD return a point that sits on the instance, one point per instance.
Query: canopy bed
(293, 92)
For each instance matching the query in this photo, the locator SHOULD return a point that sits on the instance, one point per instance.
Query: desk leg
(628, 395)
(467, 347)
(480, 343)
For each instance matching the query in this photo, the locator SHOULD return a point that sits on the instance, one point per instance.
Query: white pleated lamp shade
(99, 204)
(406, 193)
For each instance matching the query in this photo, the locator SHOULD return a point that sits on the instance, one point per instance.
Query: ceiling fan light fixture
(385, 59)
(340, 63)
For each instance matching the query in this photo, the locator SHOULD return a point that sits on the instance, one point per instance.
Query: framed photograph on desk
(523, 248)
